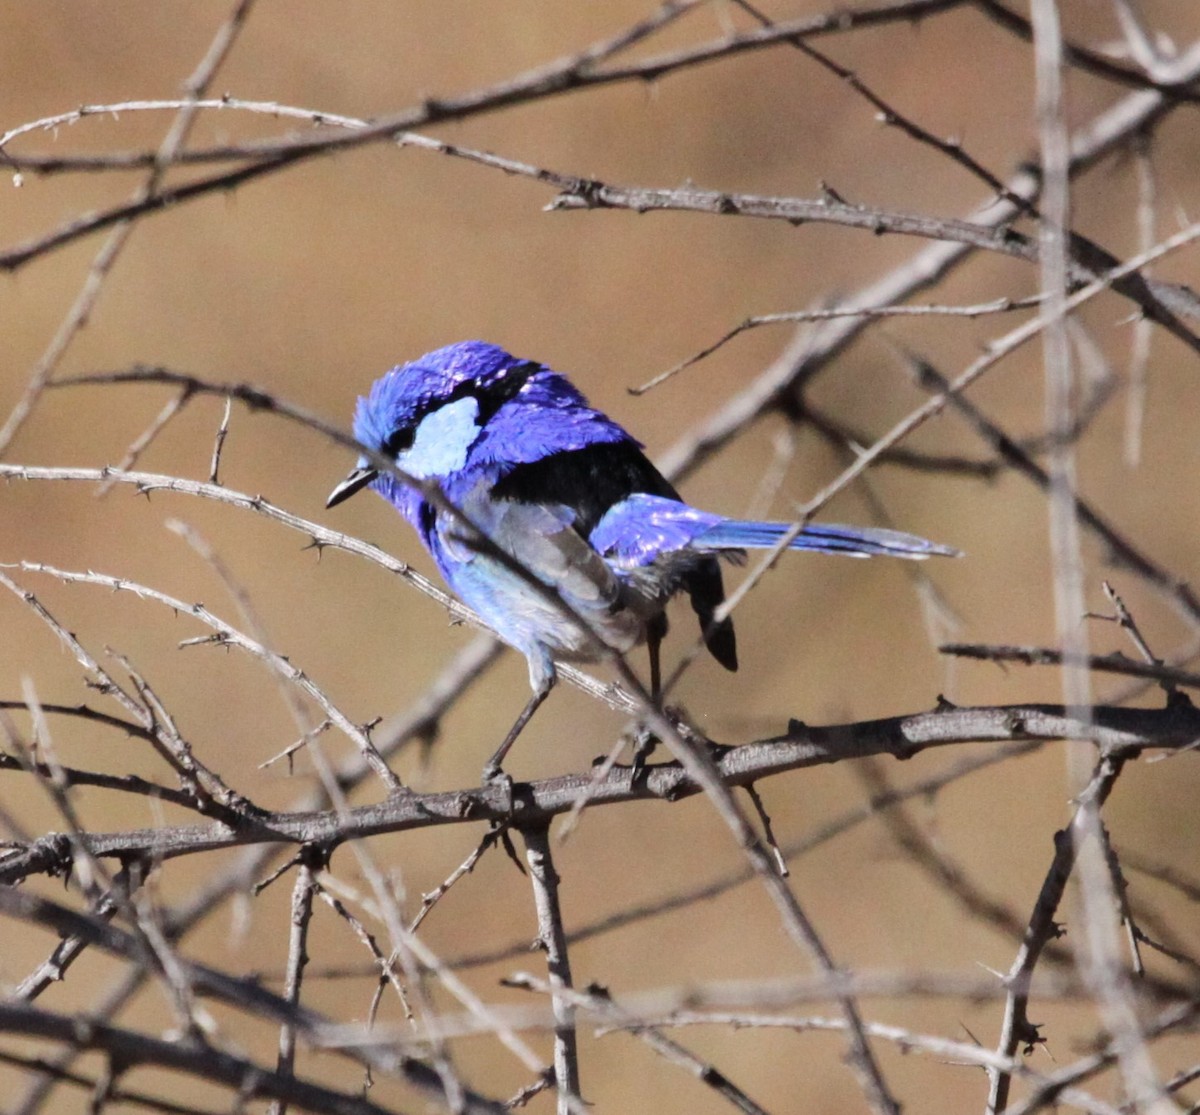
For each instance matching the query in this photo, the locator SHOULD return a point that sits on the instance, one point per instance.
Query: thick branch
(1123, 731)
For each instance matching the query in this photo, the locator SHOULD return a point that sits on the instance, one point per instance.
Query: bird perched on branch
(548, 520)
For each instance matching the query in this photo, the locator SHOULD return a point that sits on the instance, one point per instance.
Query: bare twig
(219, 443)
(945, 1049)
(1160, 302)
(302, 899)
(200, 781)
(1124, 618)
(490, 839)
(1143, 335)
(1017, 1030)
(598, 1002)
(835, 313)
(322, 537)
(68, 950)
(807, 357)
(768, 830)
(179, 920)
(1167, 81)
(385, 966)
(204, 1062)
(243, 994)
(48, 1070)
(552, 940)
(227, 635)
(723, 883)
(1116, 663)
(143, 441)
(146, 195)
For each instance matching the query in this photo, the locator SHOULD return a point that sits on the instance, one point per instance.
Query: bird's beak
(358, 479)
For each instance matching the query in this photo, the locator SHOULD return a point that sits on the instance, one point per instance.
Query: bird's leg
(542, 678)
(655, 630)
(645, 741)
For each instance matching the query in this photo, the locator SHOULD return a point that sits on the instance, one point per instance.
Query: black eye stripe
(500, 389)
(399, 440)
(490, 394)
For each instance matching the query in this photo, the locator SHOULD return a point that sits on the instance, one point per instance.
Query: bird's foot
(677, 717)
(643, 741)
(496, 778)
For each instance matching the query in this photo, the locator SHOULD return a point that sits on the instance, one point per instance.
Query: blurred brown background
(312, 282)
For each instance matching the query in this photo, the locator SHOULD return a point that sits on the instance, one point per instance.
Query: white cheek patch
(443, 438)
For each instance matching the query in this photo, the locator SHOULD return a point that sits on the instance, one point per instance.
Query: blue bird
(570, 497)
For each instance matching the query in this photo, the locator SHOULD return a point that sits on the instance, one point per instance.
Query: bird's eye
(399, 440)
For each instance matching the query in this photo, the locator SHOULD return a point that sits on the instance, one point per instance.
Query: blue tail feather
(832, 538)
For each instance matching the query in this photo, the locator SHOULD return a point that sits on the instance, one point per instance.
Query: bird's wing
(590, 480)
(614, 483)
(645, 528)
(543, 539)
(653, 530)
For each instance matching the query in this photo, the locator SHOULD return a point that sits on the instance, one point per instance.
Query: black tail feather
(707, 591)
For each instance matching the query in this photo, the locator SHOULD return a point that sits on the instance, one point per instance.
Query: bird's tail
(829, 538)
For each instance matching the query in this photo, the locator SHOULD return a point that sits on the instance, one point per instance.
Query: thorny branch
(552, 940)
(1124, 732)
(1162, 80)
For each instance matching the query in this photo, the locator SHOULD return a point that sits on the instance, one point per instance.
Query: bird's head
(426, 415)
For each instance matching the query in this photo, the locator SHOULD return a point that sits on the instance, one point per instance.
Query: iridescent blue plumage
(570, 498)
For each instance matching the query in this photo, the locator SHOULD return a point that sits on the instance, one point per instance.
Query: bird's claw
(495, 778)
(644, 742)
